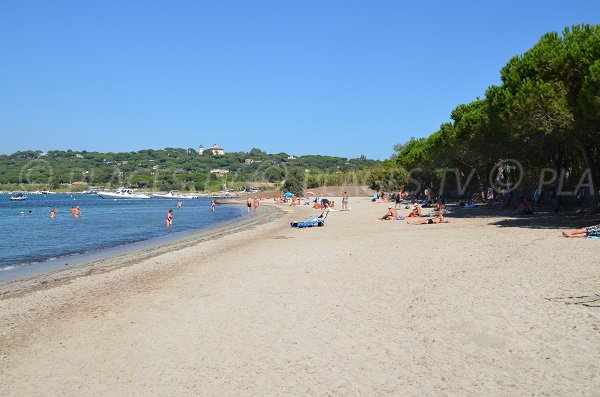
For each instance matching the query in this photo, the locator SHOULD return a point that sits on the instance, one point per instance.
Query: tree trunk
(588, 164)
(559, 165)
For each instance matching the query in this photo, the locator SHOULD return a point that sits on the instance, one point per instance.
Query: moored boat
(174, 194)
(123, 194)
(18, 197)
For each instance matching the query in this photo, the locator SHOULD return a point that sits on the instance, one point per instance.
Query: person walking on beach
(170, 218)
(256, 204)
(249, 205)
(345, 201)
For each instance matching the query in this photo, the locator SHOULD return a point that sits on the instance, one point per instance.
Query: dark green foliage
(165, 169)
(545, 114)
(388, 177)
(294, 181)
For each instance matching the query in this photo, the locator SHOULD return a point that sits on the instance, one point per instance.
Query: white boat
(18, 197)
(123, 194)
(174, 194)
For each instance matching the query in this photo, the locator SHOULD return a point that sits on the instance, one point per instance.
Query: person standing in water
(213, 205)
(249, 205)
(180, 204)
(53, 213)
(170, 218)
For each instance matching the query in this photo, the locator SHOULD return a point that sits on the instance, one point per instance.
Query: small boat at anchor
(127, 194)
(174, 194)
(18, 197)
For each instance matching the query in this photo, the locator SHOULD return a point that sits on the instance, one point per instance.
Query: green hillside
(169, 168)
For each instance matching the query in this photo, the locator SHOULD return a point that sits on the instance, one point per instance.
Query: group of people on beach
(439, 209)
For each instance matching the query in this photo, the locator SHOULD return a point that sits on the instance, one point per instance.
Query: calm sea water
(32, 238)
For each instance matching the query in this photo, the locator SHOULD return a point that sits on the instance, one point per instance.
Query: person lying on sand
(592, 231)
(390, 215)
(436, 219)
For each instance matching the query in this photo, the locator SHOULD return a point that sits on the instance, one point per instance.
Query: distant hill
(165, 169)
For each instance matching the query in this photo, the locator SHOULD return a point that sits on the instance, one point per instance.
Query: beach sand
(478, 306)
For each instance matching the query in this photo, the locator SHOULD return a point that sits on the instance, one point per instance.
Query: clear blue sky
(306, 77)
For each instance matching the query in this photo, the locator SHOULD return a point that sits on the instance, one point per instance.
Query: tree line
(538, 130)
(165, 169)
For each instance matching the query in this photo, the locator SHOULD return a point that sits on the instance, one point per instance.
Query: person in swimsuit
(436, 219)
(53, 213)
(592, 231)
(416, 212)
(256, 204)
(180, 204)
(170, 218)
(249, 205)
(390, 215)
(213, 205)
(398, 199)
(345, 202)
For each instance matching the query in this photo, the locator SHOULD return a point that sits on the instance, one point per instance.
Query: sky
(343, 78)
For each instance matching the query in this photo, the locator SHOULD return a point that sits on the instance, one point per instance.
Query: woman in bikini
(436, 219)
(416, 212)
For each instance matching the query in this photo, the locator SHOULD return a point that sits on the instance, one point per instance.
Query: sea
(31, 239)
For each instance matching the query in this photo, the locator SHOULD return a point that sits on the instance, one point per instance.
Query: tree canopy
(544, 115)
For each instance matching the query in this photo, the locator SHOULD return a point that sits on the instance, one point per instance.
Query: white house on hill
(215, 150)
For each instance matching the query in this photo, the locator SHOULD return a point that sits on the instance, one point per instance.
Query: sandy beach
(484, 305)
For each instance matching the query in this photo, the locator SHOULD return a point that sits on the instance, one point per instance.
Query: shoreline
(25, 278)
(357, 307)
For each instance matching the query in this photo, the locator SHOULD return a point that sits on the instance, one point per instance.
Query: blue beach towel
(312, 222)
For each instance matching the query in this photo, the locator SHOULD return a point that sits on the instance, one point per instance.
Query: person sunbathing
(390, 215)
(416, 212)
(435, 219)
(592, 231)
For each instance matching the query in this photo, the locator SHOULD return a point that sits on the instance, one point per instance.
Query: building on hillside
(248, 161)
(219, 172)
(215, 150)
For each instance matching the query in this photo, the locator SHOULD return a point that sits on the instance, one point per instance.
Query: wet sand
(481, 305)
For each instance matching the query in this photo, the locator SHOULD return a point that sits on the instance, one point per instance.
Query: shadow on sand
(540, 220)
